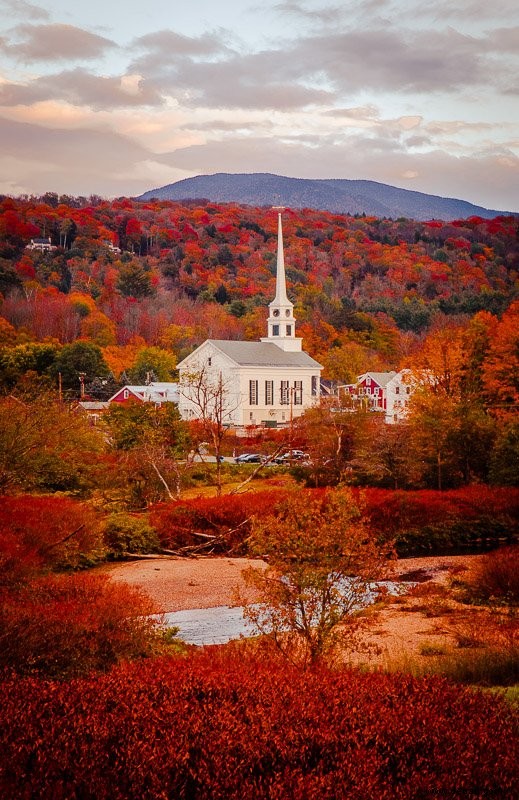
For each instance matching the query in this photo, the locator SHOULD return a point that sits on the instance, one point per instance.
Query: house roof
(382, 378)
(156, 392)
(263, 354)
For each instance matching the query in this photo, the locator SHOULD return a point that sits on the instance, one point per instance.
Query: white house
(41, 244)
(269, 382)
(399, 391)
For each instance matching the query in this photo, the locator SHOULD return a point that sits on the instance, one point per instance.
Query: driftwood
(207, 547)
(193, 550)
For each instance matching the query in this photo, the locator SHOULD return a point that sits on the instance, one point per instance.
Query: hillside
(339, 196)
(149, 281)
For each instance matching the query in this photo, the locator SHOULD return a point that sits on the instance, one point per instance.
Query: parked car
(292, 455)
(248, 458)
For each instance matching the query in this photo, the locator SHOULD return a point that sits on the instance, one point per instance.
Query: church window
(298, 393)
(209, 361)
(397, 389)
(253, 393)
(269, 393)
(276, 312)
(289, 330)
(285, 393)
(275, 330)
(287, 312)
(314, 385)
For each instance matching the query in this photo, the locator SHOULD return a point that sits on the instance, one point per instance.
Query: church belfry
(281, 323)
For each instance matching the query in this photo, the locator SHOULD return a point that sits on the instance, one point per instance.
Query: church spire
(281, 283)
(281, 323)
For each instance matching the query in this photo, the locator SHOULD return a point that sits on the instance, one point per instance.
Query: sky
(115, 97)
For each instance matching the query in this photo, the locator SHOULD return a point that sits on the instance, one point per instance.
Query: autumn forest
(96, 699)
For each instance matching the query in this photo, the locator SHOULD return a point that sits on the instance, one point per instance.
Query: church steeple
(281, 323)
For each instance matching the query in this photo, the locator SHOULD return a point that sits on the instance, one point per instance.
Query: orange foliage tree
(321, 562)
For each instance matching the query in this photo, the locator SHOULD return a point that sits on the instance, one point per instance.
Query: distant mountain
(339, 196)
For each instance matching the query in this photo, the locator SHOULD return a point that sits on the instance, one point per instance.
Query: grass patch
(431, 649)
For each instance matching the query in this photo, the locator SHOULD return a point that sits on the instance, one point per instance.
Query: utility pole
(291, 434)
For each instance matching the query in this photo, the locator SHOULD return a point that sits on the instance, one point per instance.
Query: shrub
(230, 728)
(428, 521)
(496, 576)
(322, 561)
(54, 532)
(488, 666)
(127, 533)
(67, 625)
(228, 517)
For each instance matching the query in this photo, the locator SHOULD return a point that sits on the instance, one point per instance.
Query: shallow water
(223, 623)
(209, 625)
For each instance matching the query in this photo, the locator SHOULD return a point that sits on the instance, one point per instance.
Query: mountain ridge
(337, 195)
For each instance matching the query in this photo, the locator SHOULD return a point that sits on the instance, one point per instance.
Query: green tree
(153, 444)
(33, 357)
(79, 361)
(47, 446)
(504, 460)
(134, 280)
(321, 562)
(153, 362)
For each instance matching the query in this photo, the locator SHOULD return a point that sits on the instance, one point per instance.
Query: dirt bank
(180, 583)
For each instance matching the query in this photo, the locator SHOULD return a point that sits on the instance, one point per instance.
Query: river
(221, 624)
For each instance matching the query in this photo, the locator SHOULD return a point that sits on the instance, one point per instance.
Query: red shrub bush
(497, 576)
(420, 521)
(177, 523)
(51, 531)
(233, 728)
(61, 626)
(432, 521)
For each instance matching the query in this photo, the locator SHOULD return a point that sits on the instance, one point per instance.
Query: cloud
(326, 15)
(323, 68)
(166, 48)
(57, 42)
(226, 79)
(79, 161)
(504, 40)
(80, 88)
(24, 10)
(479, 11)
(369, 112)
(391, 59)
(167, 41)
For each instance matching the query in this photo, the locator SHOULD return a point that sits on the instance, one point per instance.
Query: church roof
(263, 354)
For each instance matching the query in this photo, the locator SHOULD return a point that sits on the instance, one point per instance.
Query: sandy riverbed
(180, 583)
(176, 584)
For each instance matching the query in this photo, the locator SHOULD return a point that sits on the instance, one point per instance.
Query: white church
(267, 383)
